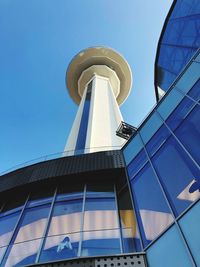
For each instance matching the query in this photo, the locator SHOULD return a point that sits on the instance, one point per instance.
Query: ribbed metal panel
(61, 167)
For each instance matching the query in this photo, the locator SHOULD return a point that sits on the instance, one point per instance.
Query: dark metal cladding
(73, 165)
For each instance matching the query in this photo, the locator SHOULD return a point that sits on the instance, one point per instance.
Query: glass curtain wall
(164, 172)
(66, 223)
(180, 41)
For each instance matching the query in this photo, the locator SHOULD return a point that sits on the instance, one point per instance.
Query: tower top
(98, 56)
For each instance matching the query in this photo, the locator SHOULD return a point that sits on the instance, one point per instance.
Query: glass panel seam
(47, 228)
(82, 222)
(15, 230)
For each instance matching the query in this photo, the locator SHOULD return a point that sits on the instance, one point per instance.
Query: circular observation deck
(98, 56)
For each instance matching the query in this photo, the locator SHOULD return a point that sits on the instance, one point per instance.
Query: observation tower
(99, 80)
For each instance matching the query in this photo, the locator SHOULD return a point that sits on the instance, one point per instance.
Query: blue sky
(38, 40)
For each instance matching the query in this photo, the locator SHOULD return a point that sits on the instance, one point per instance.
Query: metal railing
(60, 155)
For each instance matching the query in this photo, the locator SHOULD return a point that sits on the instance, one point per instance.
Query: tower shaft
(97, 118)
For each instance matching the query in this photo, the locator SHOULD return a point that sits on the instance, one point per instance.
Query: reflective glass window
(137, 163)
(151, 207)
(31, 229)
(180, 113)
(7, 224)
(132, 149)
(177, 173)
(189, 134)
(100, 213)
(157, 140)
(61, 246)
(190, 226)
(150, 127)
(66, 217)
(130, 234)
(189, 78)
(22, 253)
(169, 250)
(64, 231)
(106, 242)
(32, 224)
(101, 224)
(169, 103)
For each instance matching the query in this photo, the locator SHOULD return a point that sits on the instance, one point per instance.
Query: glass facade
(164, 173)
(158, 210)
(179, 42)
(67, 223)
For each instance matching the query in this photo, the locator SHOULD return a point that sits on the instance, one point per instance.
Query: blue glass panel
(130, 240)
(64, 231)
(195, 91)
(189, 134)
(81, 139)
(150, 127)
(168, 251)
(169, 103)
(132, 149)
(157, 140)
(60, 247)
(164, 77)
(189, 78)
(100, 213)
(31, 227)
(177, 173)
(105, 242)
(7, 225)
(151, 208)
(137, 163)
(190, 226)
(66, 218)
(32, 224)
(23, 253)
(129, 229)
(179, 113)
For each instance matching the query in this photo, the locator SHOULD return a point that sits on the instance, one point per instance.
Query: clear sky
(38, 38)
